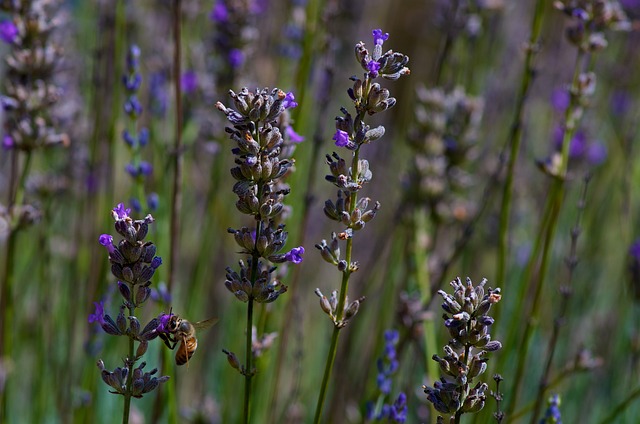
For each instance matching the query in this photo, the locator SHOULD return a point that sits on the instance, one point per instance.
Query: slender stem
(176, 195)
(248, 364)
(621, 407)
(130, 363)
(554, 204)
(515, 137)
(344, 287)
(566, 293)
(331, 356)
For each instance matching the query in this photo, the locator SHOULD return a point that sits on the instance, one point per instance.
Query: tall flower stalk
(468, 324)
(590, 19)
(29, 96)
(258, 171)
(352, 133)
(133, 263)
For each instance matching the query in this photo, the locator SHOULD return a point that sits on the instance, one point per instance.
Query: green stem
(248, 373)
(130, 363)
(515, 138)
(344, 287)
(552, 211)
(621, 407)
(6, 291)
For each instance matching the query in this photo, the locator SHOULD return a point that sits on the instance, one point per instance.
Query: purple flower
(161, 294)
(620, 103)
(373, 67)
(128, 139)
(341, 138)
(152, 201)
(378, 37)
(560, 99)
(7, 142)
(132, 82)
(289, 101)
(145, 168)
(163, 322)
(135, 204)
(132, 107)
(8, 31)
(597, 153)
(107, 241)
(553, 411)
(156, 262)
(398, 413)
(143, 137)
(189, 82)
(98, 315)
(131, 169)
(236, 58)
(295, 255)
(293, 136)
(219, 13)
(634, 250)
(120, 212)
(132, 58)
(158, 94)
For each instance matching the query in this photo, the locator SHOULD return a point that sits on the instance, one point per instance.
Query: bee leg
(168, 340)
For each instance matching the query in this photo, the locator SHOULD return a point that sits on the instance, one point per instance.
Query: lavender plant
(259, 169)
(29, 96)
(552, 414)
(387, 365)
(590, 20)
(352, 133)
(135, 138)
(133, 263)
(468, 324)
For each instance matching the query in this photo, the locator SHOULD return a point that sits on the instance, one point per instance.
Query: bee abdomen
(186, 350)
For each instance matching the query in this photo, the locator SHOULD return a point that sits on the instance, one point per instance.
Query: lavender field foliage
(432, 218)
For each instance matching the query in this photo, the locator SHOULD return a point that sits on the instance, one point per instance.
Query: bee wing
(203, 325)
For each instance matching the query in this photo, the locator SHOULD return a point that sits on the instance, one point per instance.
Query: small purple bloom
(7, 142)
(120, 212)
(236, 58)
(161, 294)
(341, 138)
(293, 136)
(189, 82)
(553, 411)
(634, 250)
(152, 201)
(620, 103)
(132, 107)
(378, 37)
(597, 153)
(163, 320)
(98, 315)
(580, 14)
(132, 58)
(8, 31)
(135, 204)
(128, 139)
(131, 170)
(295, 255)
(143, 137)
(107, 241)
(132, 82)
(145, 168)
(373, 67)
(219, 14)
(156, 262)
(289, 101)
(560, 99)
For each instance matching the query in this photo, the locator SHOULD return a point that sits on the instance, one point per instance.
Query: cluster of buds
(591, 19)
(30, 92)
(442, 143)
(143, 382)
(330, 307)
(264, 142)
(468, 324)
(133, 263)
(135, 139)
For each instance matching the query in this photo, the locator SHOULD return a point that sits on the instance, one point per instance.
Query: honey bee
(179, 330)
